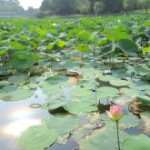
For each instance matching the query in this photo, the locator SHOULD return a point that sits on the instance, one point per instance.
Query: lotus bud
(115, 113)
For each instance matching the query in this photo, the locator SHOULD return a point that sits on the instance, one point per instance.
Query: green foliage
(128, 47)
(37, 138)
(136, 142)
(22, 60)
(99, 7)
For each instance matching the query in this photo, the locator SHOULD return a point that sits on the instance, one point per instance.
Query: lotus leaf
(80, 107)
(37, 138)
(140, 142)
(107, 92)
(62, 124)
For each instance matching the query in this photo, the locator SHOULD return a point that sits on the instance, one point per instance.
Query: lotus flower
(115, 113)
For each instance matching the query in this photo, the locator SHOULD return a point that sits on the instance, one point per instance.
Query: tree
(63, 7)
(10, 6)
(99, 7)
(130, 4)
(145, 4)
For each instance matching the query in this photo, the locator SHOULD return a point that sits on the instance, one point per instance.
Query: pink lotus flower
(115, 113)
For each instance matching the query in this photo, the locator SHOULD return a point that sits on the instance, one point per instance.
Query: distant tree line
(67, 7)
(11, 8)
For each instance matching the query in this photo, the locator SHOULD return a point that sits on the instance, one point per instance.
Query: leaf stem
(117, 125)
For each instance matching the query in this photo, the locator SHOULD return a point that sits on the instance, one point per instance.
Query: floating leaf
(140, 85)
(56, 79)
(15, 94)
(107, 78)
(104, 138)
(37, 138)
(129, 92)
(62, 124)
(144, 99)
(79, 91)
(119, 83)
(79, 107)
(107, 92)
(140, 142)
(129, 120)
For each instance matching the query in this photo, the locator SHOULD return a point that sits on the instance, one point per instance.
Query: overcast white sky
(33, 3)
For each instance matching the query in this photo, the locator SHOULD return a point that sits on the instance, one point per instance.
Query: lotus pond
(58, 77)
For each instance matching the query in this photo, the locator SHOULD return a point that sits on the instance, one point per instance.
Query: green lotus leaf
(83, 48)
(22, 60)
(107, 92)
(62, 124)
(128, 46)
(56, 79)
(102, 140)
(119, 83)
(144, 99)
(81, 92)
(14, 94)
(54, 103)
(127, 121)
(139, 85)
(129, 92)
(61, 44)
(107, 78)
(138, 142)
(17, 79)
(80, 107)
(37, 138)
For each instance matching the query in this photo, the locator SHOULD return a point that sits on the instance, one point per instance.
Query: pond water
(16, 116)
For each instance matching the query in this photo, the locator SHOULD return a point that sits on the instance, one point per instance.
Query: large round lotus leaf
(119, 83)
(145, 116)
(107, 92)
(56, 79)
(79, 107)
(128, 46)
(144, 99)
(15, 95)
(37, 138)
(79, 91)
(17, 79)
(129, 120)
(129, 92)
(104, 138)
(107, 78)
(62, 124)
(140, 85)
(50, 89)
(22, 60)
(52, 105)
(140, 70)
(138, 142)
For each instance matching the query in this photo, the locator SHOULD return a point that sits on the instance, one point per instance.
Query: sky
(34, 3)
